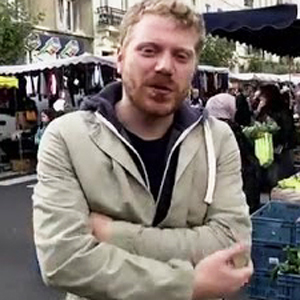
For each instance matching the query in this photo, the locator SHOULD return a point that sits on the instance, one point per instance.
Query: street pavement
(19, 279)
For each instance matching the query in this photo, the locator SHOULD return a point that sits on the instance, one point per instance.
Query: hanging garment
(29, 89)
(43, 85)
(205, 85)
(35, 84)
(53, 85)
(216, 81)
(101, 80)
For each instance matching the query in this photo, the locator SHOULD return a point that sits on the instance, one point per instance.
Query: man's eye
(148, 51)
(182, 57)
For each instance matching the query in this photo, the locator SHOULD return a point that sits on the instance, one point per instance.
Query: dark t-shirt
(153, 154)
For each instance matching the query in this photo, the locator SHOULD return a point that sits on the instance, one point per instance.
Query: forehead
(163, 30)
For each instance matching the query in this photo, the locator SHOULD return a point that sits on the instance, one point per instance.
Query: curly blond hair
(177, 10)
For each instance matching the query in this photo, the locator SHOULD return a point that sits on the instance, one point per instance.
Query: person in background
(271, 104)
(140, 195)
(47, 115)
(223, 107)
(243, 115)
(296, 106)
(195, 98)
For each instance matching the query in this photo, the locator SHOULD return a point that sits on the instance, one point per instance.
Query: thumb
(234, 251)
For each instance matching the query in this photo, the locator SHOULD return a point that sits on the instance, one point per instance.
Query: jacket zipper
(179, 140)
(112, 128)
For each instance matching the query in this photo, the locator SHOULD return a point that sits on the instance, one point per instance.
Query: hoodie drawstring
(211, 163)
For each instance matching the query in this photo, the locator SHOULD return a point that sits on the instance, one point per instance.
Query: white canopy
(82, 59)
(254, 77)
(212, 69)
(294, 78)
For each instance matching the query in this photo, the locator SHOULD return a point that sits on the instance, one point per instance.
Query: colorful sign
(72, 48)
(45, 48)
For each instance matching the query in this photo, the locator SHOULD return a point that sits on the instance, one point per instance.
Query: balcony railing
(110, 15)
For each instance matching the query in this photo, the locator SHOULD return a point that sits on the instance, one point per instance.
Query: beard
(155, 97)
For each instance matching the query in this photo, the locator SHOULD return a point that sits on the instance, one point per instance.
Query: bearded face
(157, 65)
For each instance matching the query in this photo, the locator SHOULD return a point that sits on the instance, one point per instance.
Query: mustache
(160, 81)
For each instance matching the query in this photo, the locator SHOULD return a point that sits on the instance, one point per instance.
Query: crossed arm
(226, 222)
(72, 259)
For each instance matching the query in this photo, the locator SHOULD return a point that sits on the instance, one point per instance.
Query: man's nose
(165, 64)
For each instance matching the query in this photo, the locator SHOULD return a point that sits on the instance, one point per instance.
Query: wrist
(199, 288)
(124, 234)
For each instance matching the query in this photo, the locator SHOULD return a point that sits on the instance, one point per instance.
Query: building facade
(263, 3)
(67, 29)
(72, 27)
(109, 14)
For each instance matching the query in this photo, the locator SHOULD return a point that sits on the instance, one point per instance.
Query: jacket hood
(105, 101)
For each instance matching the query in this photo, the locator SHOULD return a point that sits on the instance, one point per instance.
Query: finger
(244, 274)
(93, 215)
(237, 249)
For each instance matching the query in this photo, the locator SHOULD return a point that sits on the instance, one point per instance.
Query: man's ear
(120, 56)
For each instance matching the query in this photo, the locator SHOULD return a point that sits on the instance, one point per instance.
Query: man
(195, 98)
(134, 196)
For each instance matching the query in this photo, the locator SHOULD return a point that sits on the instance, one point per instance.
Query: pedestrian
(195, 99)
(224, 107)
(140, 196)
(47, 115)
(271, 105)
(243, 114)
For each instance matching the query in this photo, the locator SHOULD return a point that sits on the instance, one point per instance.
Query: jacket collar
(104, 103)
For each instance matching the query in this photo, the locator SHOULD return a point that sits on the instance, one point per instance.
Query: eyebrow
(157, 46)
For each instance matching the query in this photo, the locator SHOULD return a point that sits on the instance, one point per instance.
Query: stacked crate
(274, 227)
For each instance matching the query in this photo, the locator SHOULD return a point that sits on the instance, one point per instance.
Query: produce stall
(288, 189)
(7, 121)
(276, 252)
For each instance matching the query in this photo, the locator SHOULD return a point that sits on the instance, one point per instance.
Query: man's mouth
(161, 88)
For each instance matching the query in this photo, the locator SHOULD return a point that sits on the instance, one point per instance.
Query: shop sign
(53, 47)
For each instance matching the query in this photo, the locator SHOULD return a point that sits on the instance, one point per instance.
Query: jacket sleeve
(226, 222)
(70, 257)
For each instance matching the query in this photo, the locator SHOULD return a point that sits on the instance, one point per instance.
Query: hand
(101, 226)
(217, 276)
(262, 103)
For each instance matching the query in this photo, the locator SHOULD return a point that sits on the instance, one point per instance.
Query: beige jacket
(84, 166)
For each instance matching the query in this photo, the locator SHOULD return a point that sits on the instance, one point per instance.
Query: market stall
(265, 77)
(210, 80)
(8, 86)
(274, 29)
(40, 85)
(276, 235)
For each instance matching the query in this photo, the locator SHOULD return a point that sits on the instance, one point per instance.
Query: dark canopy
(274, 29)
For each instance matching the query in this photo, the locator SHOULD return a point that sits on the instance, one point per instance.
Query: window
(61, 12)
(124, 4)
(68, 15)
